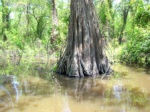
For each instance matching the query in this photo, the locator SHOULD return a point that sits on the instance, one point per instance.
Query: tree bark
(84, 54)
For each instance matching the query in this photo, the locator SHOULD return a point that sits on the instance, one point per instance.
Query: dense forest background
(36, 30)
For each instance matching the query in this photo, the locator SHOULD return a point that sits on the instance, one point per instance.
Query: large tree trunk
(84, 55)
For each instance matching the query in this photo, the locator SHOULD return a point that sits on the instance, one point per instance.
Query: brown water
(128, 92)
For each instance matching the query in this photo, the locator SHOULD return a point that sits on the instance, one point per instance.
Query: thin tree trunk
(125, 16)
(5, 20)
(54, 22)
(84, 55)
(27, 18)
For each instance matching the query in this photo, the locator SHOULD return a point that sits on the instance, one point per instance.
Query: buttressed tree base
(84, 54)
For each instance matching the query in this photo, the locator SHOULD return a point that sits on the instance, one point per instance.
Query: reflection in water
(95, 90)
(81, 88)
(6, 96)
(6, 102)
(26, 86)
(63, 94)
(119, 94)
(117, 91)
(15, 86)
(13, 83)
(65, 104)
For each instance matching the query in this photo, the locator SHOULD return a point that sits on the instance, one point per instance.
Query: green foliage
(137, 49)
(104, 10)
(32, 22)
(103, 15)
(54, 68)
(16, 39)
(143, 16)
(63, 16)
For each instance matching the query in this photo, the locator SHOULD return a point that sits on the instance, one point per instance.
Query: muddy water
(127, 91)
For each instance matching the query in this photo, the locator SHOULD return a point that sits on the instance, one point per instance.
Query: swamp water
(128, 93)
